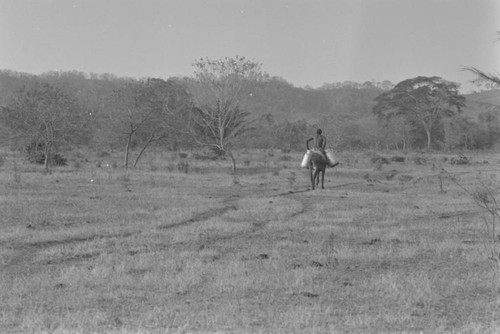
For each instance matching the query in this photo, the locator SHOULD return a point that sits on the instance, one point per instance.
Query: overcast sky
(306, 42)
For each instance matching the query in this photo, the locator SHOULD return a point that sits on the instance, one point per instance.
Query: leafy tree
(45, 116)
(219, 115)
(423, 100)
(461, 132)
(399, 132)
(489, 124)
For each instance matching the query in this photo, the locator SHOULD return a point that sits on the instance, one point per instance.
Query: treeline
(104, 112)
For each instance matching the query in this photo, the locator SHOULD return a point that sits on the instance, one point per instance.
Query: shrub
(183, 155)
(35, 153)
(103, 154)
(398, 159)
(183, 167)
(36, 157)
(285, 158)
(460, 160)
(218, 151)
(2, 161)
(58, 160)
(419, 161)
(205, 157)
(380, 160)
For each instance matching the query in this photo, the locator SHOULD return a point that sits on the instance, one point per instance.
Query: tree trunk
(47, 156)
(150, 139)
(127, 150)
(233, 161)
(428, 132)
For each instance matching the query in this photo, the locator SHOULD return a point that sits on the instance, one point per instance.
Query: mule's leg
(322, 178)
(311, 170)
(316, 176)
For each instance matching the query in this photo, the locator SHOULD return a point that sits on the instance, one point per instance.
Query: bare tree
(170, 116)
(218, 87)
(144, 112)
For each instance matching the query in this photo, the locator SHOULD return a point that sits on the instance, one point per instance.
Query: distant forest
(106, 112)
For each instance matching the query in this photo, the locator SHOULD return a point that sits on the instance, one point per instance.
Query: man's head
(319, 131)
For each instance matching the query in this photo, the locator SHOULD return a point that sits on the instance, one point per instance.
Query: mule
(317, 166)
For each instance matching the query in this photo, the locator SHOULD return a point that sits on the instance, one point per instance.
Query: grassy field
(397, 248)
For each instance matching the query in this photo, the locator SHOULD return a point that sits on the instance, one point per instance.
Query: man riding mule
(319, 144)
(319, 159)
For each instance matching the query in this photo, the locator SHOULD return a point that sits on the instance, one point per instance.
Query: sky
(305, 42)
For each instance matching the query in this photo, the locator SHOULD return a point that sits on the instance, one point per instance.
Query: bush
(218, 151)
(103, 154)
(419, 161)
(2, 161)
(398, 159)
(205, 157)
(35, 153)
(58, 160)
(460, 160)
(285, 158)
(183, 167)
(379, 160)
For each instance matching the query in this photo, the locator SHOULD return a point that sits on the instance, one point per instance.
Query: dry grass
(95, 250)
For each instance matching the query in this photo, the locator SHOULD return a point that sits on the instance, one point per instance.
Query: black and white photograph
(249, 166)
